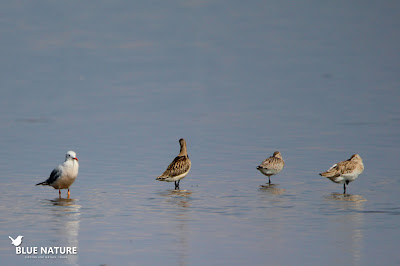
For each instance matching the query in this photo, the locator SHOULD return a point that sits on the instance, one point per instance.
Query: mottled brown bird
(179, 167)
(272, 165)
(345, 171)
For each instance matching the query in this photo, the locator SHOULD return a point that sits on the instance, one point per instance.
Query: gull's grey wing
(55, 174)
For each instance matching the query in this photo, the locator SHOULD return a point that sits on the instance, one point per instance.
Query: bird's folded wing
(179, 165)
(271, 163)
(55, 174)
(340, 168)
(346, 167)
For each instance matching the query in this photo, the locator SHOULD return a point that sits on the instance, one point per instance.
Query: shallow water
(121, 83)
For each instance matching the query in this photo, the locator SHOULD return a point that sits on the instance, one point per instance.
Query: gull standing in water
(272, 165)
(179, 167)
(63, 175)
(345, 171)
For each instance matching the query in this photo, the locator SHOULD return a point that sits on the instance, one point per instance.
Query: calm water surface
(120, 83)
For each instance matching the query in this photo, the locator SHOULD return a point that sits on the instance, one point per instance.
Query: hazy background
(120, 82)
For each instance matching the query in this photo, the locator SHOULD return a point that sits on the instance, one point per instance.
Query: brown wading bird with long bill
(345, 171)
(272, 165)
(179, 167)
(63, 175)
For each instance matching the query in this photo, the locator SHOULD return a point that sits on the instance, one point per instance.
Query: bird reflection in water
(348, 226)
(63, 202)
(345, 197)
(64, 222)
(272, 189)
(179, 200)
(181, 195)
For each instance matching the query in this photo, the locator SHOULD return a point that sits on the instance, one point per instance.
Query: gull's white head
(71, 155)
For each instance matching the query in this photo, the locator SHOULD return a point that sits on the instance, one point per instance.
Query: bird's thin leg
(68, 192)
(344, 188)
(269, 180)
(177, 185)
(59, 193)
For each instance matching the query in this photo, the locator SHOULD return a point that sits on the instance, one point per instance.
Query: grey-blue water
(120, 82)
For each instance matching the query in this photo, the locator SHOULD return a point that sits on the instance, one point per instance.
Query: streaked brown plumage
(346, 171)
(179, 167)
(272, 165)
